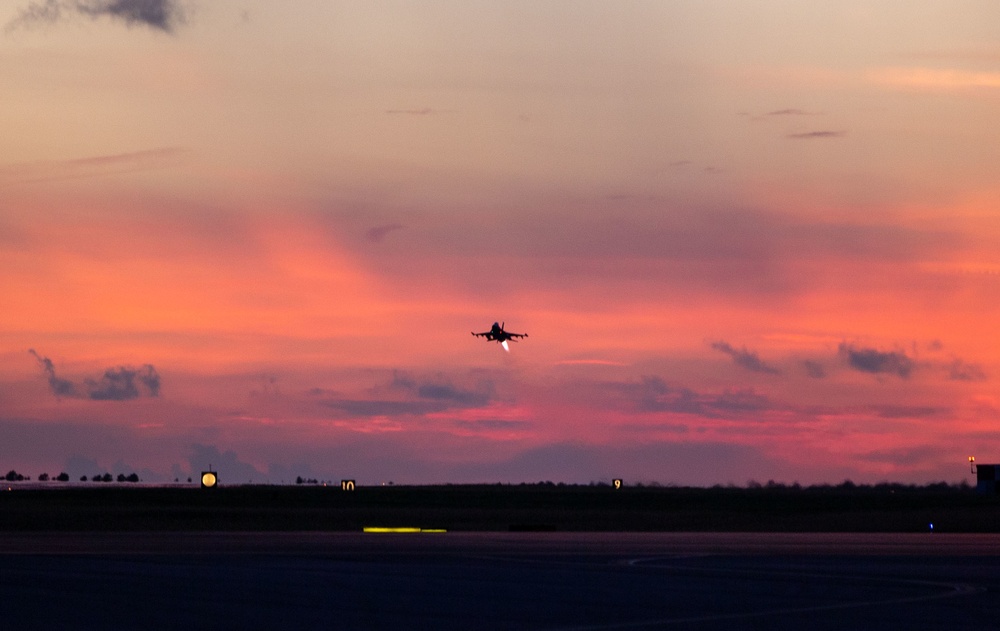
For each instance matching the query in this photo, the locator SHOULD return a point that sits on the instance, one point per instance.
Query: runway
(498, 581)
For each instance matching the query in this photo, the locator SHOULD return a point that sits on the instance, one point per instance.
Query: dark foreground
(163, 580)
(523, 557)
(536, 508)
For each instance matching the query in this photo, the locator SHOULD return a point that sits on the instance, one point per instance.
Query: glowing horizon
(258, 236)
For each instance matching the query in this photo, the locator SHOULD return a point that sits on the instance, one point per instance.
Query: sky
(748, 241)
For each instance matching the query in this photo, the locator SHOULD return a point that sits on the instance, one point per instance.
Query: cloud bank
(877, 362)
(161, 15)
(123, 383)
(745, 359)
(59, 386)
(818, 134)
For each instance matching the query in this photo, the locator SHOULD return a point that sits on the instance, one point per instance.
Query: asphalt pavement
(498, 581)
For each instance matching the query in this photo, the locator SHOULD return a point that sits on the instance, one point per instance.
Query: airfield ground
(515, 557)
(500, 508)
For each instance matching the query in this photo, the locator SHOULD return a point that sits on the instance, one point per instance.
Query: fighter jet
(497, 334)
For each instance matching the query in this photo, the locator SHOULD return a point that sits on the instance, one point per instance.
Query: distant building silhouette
(986, 479)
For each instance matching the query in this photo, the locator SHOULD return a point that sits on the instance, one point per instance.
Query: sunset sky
(748, 240)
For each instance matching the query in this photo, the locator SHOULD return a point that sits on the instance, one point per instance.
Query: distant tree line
(847, 486)
(14, 476)
(107, 478)
(751, 485)
(771, 485)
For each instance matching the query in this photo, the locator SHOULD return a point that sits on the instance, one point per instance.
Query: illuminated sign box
(209, 480)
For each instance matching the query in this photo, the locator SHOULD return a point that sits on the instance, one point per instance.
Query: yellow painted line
(384, 529)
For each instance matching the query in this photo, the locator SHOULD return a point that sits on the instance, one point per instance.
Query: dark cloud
(818, 134)
(790, 112)
(406, 395)
(38, 12)
(449, 393)
(162, 15)
(124, 383)
(653, 394)
(877, 362)
(378, 233)
(741, 401)
(441, 389)
(117, 384)
(745, 359)
(814, 369)
(961, 371)
(401, 380)
(60, 387)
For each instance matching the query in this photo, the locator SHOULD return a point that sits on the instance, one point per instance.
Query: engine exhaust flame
(505, 347)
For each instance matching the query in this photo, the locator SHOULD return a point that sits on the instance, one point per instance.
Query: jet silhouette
(497, 334)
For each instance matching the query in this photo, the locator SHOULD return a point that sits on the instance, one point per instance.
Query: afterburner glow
(505, 347)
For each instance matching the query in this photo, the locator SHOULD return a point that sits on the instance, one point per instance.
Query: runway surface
(498, 581)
